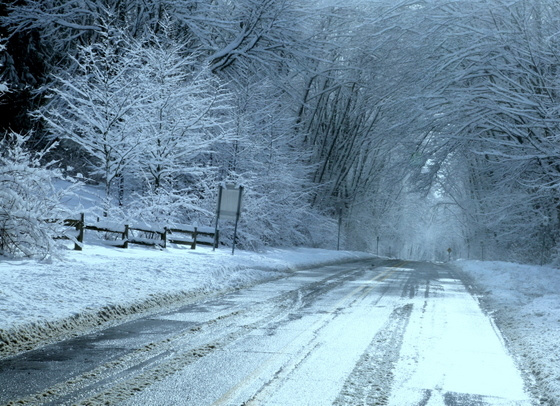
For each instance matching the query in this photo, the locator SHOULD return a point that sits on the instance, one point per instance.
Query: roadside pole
(217, 216)
(237, 215)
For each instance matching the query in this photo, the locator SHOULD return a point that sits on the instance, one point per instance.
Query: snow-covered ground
(85, 290)
(40, 302)
(524, 302)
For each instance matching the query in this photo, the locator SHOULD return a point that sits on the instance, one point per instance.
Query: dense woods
(417, 126)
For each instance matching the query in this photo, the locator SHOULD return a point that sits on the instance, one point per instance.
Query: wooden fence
(143, 234)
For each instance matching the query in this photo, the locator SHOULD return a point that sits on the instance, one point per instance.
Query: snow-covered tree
(387, 112)
(31, 202)
(353, 113)
(98, 107)
(68, 24)
(3, 85)
(186, 113)
(267, 156)
(493, 96)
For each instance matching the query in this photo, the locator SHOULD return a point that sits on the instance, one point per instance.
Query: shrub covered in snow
(31, 212)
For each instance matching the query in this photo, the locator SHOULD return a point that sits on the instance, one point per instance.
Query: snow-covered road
(376, 332)
(452, 354)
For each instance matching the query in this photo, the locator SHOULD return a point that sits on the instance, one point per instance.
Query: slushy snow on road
(43, 302)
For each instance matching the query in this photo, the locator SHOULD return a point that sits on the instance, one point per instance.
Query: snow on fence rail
(198, 235)
(150, 236)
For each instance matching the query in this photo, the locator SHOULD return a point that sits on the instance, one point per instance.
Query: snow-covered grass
(524, 301)
(41, 302)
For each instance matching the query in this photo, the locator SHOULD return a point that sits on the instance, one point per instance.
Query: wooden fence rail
(196, 235)
(152, 236)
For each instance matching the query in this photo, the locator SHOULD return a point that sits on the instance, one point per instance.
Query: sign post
(229, 207)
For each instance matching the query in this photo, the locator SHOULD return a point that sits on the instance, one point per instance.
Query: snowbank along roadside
(46, 302)
(524, 302)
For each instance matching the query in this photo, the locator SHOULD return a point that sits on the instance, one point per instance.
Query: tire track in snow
(122, 378)
(308, 342)
(371, 380)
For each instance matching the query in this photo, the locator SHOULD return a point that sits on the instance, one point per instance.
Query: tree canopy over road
(423, 125)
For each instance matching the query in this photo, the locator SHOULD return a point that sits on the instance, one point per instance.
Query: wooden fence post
(216, 238)
(80, 225)
(125, 236)
(195, 232)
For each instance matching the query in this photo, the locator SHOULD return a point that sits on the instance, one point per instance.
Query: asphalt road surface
(381, 332)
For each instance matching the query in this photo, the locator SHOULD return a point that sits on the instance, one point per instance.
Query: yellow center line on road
(393, 269)
(365, 289)
(368, 287)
